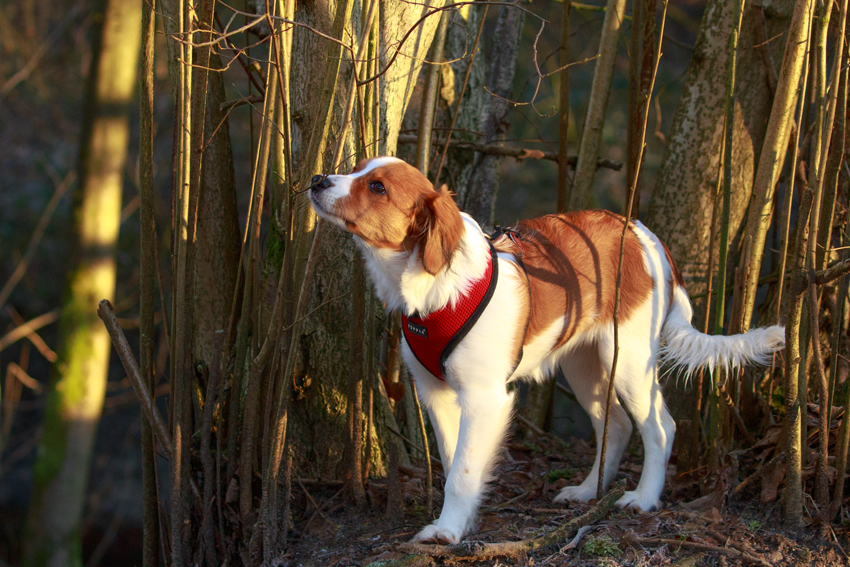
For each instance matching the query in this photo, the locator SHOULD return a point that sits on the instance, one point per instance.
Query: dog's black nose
(321, 182)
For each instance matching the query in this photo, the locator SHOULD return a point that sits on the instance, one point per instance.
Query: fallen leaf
(716, 517)
(770, 482)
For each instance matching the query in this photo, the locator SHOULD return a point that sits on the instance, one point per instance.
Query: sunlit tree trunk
(79, 381)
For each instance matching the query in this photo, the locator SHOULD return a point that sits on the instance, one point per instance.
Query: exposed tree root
(476, 550)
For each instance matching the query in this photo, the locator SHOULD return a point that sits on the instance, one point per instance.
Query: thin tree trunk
(79, 382)
(773, 151)
(147, 282)
(218, 238)
(591, 136)
(564, 109)
(792, 499)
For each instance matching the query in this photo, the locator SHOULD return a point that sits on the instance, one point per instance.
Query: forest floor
(721, 528)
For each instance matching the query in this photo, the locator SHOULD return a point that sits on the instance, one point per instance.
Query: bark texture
(317, 419)
(218, 238)
(79, 381)
(480, 201)
(680, 211)
(682, 205)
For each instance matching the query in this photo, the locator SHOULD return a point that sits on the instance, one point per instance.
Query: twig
(507, 502)
(24, 378)
(566, 391)
(518, 153)
(122, 347)
(477, 550)
(313, 502)
(46, 215)
(758, 474)
(27, 328)
(831, 274)
(228, 104)
(703, 546)
(540, 433)
(429, 488)
(626, 222)
(412, 443)
(33, 337)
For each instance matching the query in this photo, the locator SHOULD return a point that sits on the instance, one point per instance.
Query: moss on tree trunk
(79, 380)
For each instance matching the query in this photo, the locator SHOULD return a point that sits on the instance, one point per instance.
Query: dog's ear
(437, 228)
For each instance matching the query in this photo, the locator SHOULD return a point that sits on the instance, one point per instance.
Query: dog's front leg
(443, 408)
(484, 418)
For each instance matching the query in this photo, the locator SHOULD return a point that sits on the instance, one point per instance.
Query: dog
(479, 313)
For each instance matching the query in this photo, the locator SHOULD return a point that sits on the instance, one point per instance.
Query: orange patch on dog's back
(572, 261)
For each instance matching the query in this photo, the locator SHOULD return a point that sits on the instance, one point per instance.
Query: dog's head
(390, 204)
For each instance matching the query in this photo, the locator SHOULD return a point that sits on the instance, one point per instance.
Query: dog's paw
(638, 501)
(580, 493)
(437, 534)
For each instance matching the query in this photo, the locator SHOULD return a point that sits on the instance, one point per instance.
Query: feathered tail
(689, 349)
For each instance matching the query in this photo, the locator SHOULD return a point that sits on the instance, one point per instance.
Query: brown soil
(697, 528)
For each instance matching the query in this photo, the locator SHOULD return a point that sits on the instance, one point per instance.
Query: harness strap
(515, 237)
(433, 338)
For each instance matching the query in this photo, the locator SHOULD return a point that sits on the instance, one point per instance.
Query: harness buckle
(511, 233)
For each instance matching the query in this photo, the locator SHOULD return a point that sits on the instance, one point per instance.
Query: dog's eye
(377, 187)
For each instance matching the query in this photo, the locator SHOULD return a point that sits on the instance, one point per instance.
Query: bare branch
(517, 153)
(46, 215)
(107, 314)
(30, 326)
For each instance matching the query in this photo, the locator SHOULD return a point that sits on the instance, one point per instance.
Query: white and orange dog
(478, 314)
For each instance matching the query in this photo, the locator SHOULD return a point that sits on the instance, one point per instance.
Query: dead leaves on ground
(696, 529)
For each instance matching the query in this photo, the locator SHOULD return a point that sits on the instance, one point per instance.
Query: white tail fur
(689, 349)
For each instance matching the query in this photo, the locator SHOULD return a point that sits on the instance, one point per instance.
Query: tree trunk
(594, 120)
(480, 199)
(317, 418)
(79, 381)
(218, 238)
(680, 210)
(682, 205)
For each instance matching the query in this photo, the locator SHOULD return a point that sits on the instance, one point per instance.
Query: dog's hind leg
(636, 383)
(587, 378)
(485, 413)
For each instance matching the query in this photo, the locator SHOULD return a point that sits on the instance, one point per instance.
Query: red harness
(433, 338)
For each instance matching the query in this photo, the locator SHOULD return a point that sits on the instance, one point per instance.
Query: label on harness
(414, 328)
